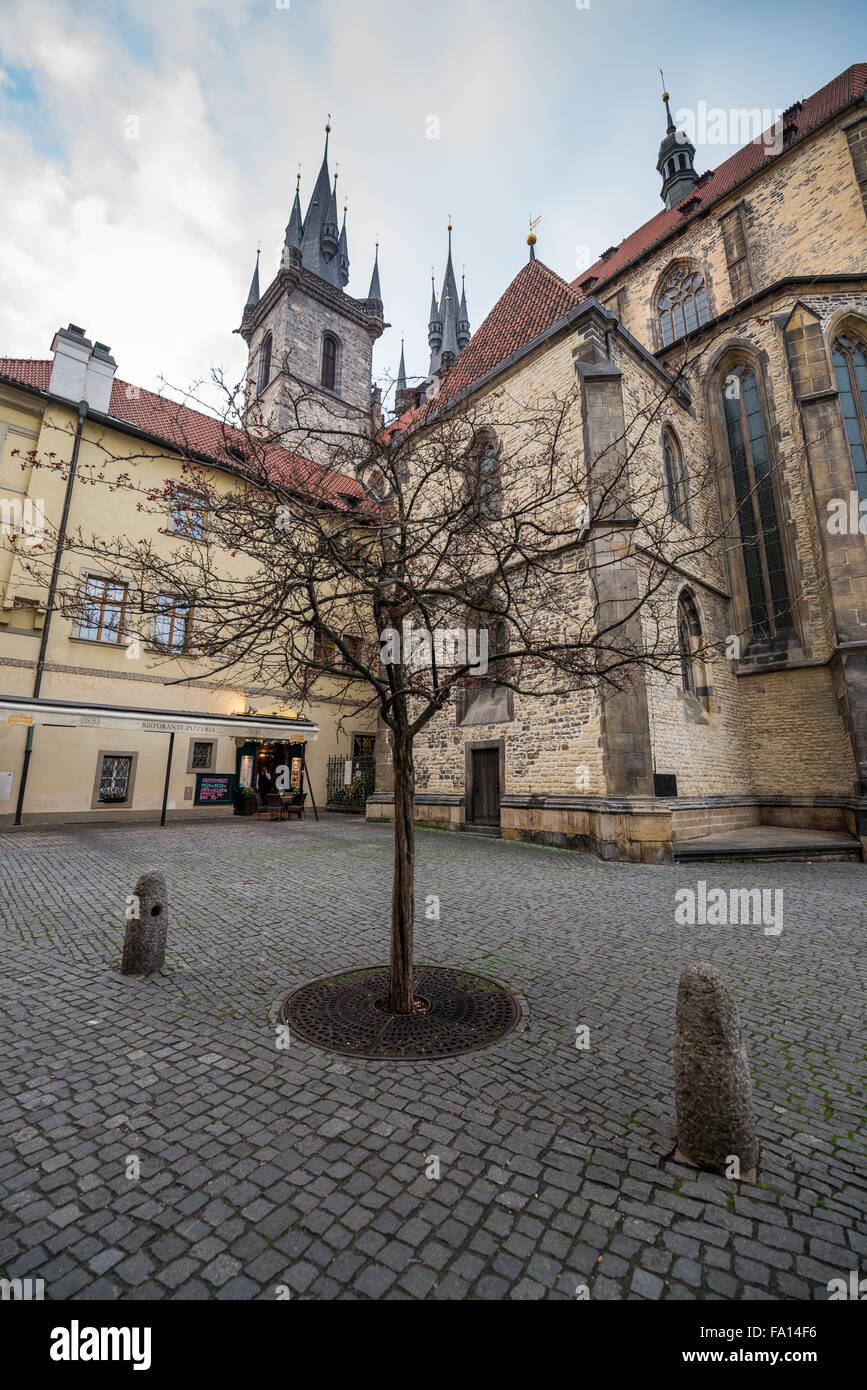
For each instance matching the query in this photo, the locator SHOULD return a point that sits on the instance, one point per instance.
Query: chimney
(71, 355)
(99, 377)
(81, 370)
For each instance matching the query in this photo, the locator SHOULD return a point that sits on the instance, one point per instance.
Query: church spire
(445, 329)
(343, 253)
(253, 296)
(463, 323)
(295, 225)
(321, 236)
(675, 162)
(401, 371)
(375, 292)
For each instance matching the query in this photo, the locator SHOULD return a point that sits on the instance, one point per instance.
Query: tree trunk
(400, 996)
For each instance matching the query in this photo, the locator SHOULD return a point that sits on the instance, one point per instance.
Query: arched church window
(689, 646)
(681, 302)
(264, 364)
(329, 361)
(761, 540)
(850, 369)
(676, 488)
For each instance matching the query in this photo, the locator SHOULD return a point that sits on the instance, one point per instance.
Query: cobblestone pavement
(262, 1167)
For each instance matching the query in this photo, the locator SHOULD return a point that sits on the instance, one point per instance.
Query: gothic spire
(463, 323)
(375, 292)
(443, 333)
(343, 253)
(295, 225)
(320, 239)
(253, 296)
(401, 371)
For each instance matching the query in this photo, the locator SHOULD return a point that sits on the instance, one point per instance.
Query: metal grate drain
(340, 1013)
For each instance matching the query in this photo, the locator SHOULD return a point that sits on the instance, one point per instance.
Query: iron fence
(350, 783)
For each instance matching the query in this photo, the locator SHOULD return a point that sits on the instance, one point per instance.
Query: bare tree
(476, 548)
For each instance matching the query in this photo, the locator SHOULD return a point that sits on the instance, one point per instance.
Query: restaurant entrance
(271, 767)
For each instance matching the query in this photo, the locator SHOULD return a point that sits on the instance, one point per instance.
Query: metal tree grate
(464, 1011)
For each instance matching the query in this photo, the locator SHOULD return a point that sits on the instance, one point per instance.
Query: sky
(146, 150)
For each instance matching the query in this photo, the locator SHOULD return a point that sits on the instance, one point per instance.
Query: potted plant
(246, 802)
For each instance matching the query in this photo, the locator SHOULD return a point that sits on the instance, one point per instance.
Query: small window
(324, 648)
(329, 362)
(676, 489)
(115, 778)
(189, 513)
(689, 644)
(354, 645)
(104, 609)
(264, 364)
(203, 755)
(172, 622)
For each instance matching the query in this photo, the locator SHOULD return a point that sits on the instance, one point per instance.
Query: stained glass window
(761, 542)
(850, 369)
(682, 303)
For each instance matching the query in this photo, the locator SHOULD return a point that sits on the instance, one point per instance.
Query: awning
(17, 710)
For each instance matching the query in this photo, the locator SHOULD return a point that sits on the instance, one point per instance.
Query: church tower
(310, 344)
(675, 162)
(448, 332)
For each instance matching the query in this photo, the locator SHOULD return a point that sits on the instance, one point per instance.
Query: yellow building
(96, 725)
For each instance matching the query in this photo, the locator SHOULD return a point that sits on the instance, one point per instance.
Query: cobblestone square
(262, 1169)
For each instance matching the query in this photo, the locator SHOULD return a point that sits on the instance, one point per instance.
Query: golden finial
(298, 180)
(534, 222)
(336, 170)
(328, 124)
(665, 94)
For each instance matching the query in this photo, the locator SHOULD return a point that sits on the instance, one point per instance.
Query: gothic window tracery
(676, 485)
(681, 302)
(758, 521)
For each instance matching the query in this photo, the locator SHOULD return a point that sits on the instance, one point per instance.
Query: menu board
(215, 788)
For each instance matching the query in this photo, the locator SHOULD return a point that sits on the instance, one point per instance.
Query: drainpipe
(52, 592)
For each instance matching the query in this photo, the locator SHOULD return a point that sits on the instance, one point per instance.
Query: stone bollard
(712, 1086)
(144, 946)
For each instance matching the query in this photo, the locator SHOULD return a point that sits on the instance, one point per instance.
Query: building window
(203, 755)
(104, 608)
(172, 622)
(115, 778)
(761, 541)
(689, 642)
(681, 302)
(324, 649)
(676, 488)
(354, 645)
(189, 513)
(264, 364)
(850, 369)
(329, 362)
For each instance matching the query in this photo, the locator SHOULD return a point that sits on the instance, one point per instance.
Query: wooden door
(485, 799)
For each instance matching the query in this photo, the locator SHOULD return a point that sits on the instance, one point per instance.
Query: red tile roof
(535, 300)
(191, 431)
(829, 101)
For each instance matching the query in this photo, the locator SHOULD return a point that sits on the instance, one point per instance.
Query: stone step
(771, 842)
(491, 831)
